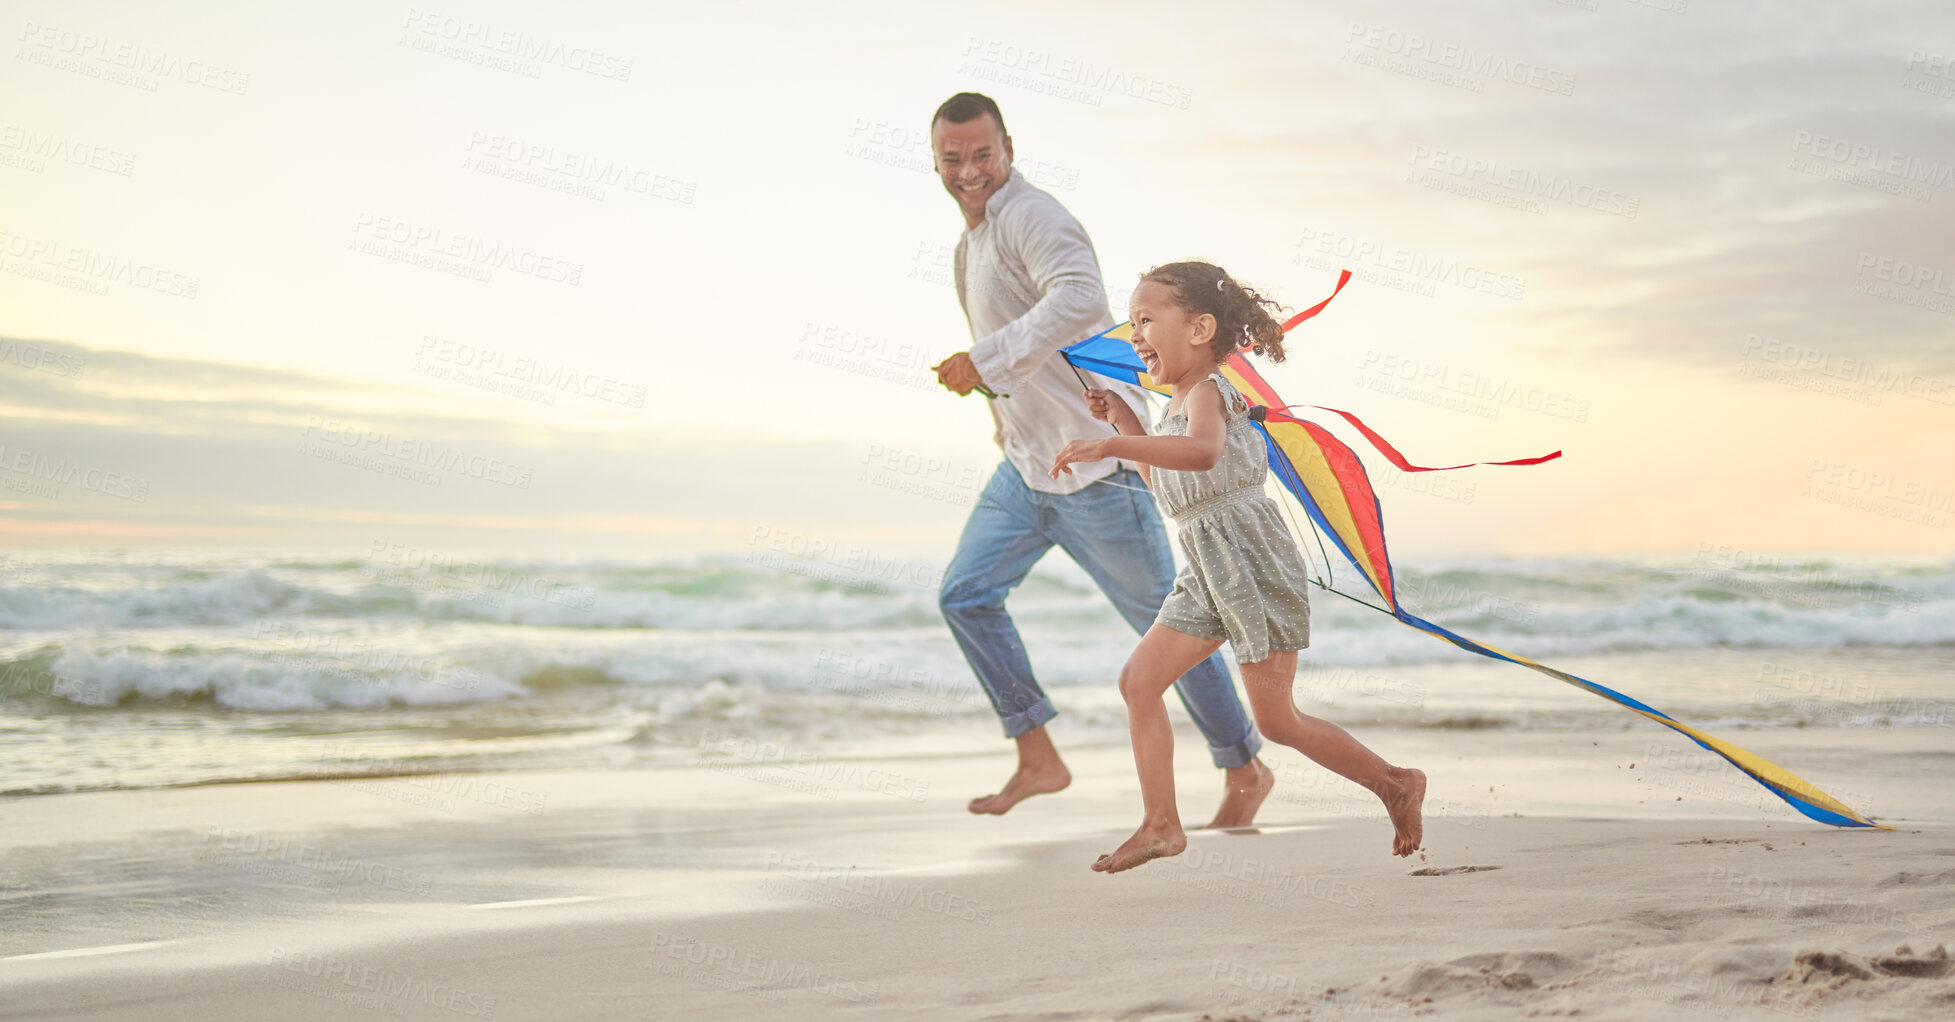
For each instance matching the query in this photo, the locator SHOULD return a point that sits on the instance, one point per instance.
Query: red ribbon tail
(1343, 278)
(1384, 446)
(1391, 453)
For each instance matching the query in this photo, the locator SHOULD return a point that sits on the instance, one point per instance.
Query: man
(1029, 282)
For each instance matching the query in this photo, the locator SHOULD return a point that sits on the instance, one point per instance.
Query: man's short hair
(966, 106)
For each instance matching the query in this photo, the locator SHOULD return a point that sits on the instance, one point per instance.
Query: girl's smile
(1170, 343)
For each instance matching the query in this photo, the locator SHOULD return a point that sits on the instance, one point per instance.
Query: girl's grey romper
(1245, 579)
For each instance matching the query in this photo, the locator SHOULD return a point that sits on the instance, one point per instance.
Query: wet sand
(1556, 880)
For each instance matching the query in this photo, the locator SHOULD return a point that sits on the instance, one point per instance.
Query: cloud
(147, 446)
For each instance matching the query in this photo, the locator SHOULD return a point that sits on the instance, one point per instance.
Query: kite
(1326, 477)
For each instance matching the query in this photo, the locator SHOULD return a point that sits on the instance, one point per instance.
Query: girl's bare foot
(1027, 781)
(1246, 787)
(1404, 805)
(1151, 841)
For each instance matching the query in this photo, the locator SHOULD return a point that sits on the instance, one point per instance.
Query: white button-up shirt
(1029, 282)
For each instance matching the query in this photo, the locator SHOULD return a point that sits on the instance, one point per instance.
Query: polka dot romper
(1245, 580)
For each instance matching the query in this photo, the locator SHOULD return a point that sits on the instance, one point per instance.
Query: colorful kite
(1327, 478)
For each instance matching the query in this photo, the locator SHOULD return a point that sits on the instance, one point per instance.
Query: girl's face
(1171, 341)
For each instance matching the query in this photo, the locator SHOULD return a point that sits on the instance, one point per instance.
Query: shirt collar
(1004, 195)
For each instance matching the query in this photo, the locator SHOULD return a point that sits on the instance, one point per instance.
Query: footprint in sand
(1835, 969)
(1446, 871)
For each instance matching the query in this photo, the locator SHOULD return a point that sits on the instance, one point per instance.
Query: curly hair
(1242, 318)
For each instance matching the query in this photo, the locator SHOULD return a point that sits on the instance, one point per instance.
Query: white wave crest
(107, 678)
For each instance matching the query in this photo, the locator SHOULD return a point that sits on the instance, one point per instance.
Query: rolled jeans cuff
(1228, 757)
(1033, 716)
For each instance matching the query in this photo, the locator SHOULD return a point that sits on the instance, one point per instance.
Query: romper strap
(1234, 404)
(1233, 401)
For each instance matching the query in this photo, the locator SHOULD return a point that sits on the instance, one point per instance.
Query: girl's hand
(1078, 450)
(1113, 411)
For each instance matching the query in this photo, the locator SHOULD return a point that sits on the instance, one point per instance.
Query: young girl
(1245, 580)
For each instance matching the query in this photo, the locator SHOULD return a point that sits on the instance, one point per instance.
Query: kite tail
(1778, 780)
(1313, 464)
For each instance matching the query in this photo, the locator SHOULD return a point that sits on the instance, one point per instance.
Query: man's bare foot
(1025, 782)
(1246, 787)
(1405, 806)
(1151, 841)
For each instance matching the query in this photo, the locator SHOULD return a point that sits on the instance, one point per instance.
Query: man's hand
(1078, 450)
(1114, 412)
(958, 374)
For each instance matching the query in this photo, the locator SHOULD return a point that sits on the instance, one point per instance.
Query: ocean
(144, 669)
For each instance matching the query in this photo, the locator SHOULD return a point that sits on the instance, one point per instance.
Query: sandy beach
(1557, 881)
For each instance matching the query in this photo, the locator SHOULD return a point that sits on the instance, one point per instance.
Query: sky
(667, 279)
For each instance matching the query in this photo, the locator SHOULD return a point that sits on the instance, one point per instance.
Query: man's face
(973, 159)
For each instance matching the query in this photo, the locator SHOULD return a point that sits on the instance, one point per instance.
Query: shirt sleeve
(1058, 259)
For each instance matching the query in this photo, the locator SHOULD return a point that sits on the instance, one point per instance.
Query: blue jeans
(1116, 535)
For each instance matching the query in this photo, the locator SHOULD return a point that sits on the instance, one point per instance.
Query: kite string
(1083, 382)
(1353, 599)
(1298, 531)
(1291, 515)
